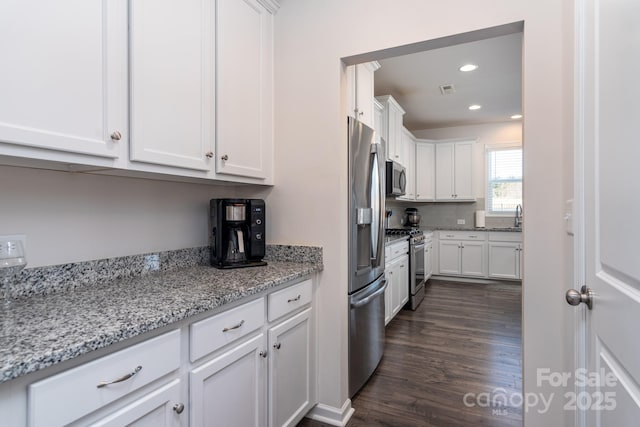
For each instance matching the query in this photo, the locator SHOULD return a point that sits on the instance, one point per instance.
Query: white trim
(271, 5)
(332, 415)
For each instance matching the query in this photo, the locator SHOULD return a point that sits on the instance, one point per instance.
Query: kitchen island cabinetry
(454, 171)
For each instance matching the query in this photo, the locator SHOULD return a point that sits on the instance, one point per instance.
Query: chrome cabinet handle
(231, 328)
(209, 155)
(225, 157)
(116, 136)
(121, 379)
(277, 346)
(294, 299)
(263, 353)
(178, 407)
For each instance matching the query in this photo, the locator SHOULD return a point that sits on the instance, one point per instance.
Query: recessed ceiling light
(475, 107)
(468, 67)
(516, 116)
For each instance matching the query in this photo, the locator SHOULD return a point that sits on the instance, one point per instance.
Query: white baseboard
(474, 280)
(332, 415)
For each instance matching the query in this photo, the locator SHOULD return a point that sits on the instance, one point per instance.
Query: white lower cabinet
(157, 409)
(397, 275)
(290, 370)
(230, 389)
(505, 256)
(234, 368)
(462, 254)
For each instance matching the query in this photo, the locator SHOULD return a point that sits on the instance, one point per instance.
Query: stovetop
(403, 231)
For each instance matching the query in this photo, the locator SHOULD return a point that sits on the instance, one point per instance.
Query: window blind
(504, 180)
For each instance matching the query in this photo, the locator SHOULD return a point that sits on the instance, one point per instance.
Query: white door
(609, 91)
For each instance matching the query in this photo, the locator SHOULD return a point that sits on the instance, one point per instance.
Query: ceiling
(414, 81)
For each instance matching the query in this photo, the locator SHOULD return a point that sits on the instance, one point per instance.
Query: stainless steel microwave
(396, 179)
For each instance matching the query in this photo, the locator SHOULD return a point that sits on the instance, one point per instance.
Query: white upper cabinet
(244, 89)
(63, 78)
(409, 162)
(172, 82)
(425, 171)
(454, 171)
(391, 127)
(360, 79)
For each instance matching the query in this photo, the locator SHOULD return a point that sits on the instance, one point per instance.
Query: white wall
(489, 134)
(309, 201)
(69, 217)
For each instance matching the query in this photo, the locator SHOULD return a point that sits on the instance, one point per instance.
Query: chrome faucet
(518, 219)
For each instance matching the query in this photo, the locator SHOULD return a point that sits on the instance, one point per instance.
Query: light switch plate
(462, 222)
(568, 217)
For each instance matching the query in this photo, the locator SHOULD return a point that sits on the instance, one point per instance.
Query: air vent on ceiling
(447, 89)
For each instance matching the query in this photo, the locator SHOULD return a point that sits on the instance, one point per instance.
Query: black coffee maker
(237, 232)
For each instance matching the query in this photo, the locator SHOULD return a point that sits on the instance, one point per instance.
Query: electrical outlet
(462, 222)
(21, 237)
(152, 262)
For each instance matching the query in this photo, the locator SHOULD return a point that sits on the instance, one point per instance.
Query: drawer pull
(119, 380)
(294, 299)
(449, 235)
(178, 407)
(233, 327)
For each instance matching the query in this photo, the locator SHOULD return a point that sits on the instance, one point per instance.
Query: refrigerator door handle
(366, 300)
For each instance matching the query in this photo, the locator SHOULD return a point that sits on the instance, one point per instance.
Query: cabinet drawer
(462, 235)
(210, 334)
(70, 395)
(289, 299)
(399, 249)
(505, 236)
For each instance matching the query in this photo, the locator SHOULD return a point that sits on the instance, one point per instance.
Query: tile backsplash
(443, 214)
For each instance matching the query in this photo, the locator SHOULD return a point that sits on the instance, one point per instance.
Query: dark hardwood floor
(464, 338)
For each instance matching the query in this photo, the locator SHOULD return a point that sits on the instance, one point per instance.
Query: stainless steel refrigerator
(366, 253)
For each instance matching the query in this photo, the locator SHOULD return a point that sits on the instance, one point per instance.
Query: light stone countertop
(41, 330)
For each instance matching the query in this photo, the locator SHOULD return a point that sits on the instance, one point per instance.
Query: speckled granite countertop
(41, 330)
(509, 229)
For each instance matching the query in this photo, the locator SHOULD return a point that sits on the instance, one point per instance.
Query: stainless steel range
(416, 263)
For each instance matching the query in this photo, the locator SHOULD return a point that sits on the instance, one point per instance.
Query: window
(504, 180)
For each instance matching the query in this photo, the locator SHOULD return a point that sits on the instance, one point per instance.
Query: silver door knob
(116, 136)
(225, 157)
(263, 353)
(178, 407)
(585, 295)
(209, 155)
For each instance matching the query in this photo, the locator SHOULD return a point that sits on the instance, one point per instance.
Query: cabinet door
(520, 262)
(364, 92)
(171, 82)
(449, 257)
(425, 171)
(290, 370)
(389, 275)
(156, 409)
(403, 282)
(230, 389)
(473, 260)
(504, 260)
(463, 170)
(244, 88)
(63, 77)
(408, 157)
(444, 171)
(428, 261)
